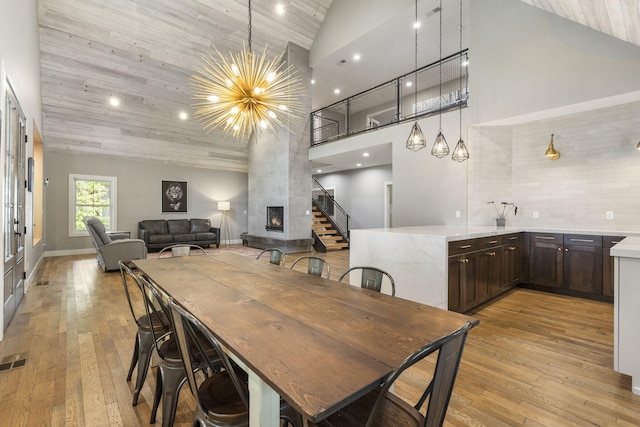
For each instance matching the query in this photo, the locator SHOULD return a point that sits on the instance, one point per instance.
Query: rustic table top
(318, 343)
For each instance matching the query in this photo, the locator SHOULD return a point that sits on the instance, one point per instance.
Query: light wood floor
(535, 359)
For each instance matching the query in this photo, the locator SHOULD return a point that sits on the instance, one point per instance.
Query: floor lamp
(224, 223)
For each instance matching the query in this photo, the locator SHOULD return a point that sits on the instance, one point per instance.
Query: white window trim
(72, 201)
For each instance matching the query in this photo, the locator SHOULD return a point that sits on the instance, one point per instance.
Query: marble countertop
(452, 233)
(628, 248)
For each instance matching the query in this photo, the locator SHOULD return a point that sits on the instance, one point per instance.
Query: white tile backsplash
(598, 171)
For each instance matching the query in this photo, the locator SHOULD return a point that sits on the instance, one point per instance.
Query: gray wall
(361, 193)
(139, 195)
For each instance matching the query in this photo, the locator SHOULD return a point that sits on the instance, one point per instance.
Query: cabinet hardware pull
(545, 237)
(566, 250)
(582, 240)
(513, 238)
(464, 260)
(559, 249)
(491, 253)
(464, 247)
(493, 242)
(512, 248)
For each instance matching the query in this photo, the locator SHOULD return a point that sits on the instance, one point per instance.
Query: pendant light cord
(440, 68)
(415, 58)
(249, 25)
(460, 68)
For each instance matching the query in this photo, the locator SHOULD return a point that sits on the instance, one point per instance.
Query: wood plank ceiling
(144, 51)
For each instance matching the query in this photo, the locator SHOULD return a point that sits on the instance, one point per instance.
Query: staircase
(326, 235)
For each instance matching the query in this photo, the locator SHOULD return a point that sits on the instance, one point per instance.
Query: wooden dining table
(317, 343)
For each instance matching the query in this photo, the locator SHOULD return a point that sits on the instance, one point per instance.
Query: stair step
(326, 232)
(331, 238)
(337, 246)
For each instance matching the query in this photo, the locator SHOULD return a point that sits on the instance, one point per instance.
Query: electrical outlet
(535, 214)
(457, 214)
(609, 214)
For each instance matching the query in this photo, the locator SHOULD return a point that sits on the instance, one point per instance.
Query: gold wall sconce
(552, 153)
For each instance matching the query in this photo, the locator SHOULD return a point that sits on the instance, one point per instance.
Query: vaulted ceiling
(144, 51)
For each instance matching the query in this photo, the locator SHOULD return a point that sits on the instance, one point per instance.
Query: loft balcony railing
(395, 101)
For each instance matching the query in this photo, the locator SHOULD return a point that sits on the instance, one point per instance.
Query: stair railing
(331, 209)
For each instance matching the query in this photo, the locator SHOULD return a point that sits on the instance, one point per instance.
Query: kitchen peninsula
(420, 259)
(417, 257)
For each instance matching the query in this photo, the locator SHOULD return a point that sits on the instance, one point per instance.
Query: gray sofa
(159, 233)
(110, 251)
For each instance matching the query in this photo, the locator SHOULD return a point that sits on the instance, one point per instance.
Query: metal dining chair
(222, 398)
(383, 408)
(181, 249)
(170, 375)
(147, 327)
(315, 265)
(372, 278)
(276, 256)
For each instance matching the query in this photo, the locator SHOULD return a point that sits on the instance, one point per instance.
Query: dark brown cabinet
(545, 259)
(582, 260)
(480, 269)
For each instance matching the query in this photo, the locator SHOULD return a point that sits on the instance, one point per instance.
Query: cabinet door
(583, 263)
(545, 259)
(489, 274)
(511, 262)
(462, 282)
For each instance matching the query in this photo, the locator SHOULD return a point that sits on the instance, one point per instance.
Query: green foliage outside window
(93, 198)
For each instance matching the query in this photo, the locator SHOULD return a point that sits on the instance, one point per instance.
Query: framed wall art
(174, 196)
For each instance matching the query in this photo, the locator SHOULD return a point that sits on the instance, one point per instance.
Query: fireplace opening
(275, 218)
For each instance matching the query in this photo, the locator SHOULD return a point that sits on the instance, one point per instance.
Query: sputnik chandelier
(246, 94)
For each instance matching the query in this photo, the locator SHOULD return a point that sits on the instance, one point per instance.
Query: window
(91, 196)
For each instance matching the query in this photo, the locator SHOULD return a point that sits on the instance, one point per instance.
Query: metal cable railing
(331, 209)
(395, 101)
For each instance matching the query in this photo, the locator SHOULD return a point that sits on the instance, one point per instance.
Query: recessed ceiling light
(356, 57)
(280, 9)
(114, 101)
(183, 115)
(336, 91)
(365, 154)
(319, 171)
(358, 164)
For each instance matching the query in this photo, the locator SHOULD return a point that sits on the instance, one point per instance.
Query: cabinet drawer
(545, 237)
(512, 239)
(582, 240)
(462, 246)
(609, 241)
(489, 242)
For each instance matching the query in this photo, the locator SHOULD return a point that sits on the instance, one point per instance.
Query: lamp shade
(224, 206)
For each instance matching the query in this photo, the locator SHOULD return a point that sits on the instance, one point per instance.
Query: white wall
(140, 196)
(360, 192)
(597, 171)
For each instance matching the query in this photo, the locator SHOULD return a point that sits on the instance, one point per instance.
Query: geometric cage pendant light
(440, 147)
(460, 152)
(416, 140)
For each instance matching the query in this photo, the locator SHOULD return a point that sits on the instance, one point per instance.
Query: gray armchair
(111, 251)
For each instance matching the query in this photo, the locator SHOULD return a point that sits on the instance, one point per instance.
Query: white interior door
(14, 205)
